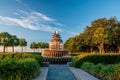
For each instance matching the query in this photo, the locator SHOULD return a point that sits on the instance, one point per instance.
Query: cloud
(31, 20)
(44, 17)
(17, 0)
(73, 33)
(20, 1)
(34, 21)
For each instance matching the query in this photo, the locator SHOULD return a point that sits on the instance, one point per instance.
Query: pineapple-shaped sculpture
(56, 43)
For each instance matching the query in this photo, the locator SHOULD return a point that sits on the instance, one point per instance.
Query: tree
(103, 35)
(14, 41)
(116, 37)
(33, 46)
(88, 38)
(39, 45)
(99, 39)
(4, 39)
(45, 45)
(22, 43)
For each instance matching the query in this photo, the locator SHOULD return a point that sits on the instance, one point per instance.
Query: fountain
(56, 53)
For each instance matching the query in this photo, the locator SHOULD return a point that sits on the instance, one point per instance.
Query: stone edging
(82, 75)
(43, 74)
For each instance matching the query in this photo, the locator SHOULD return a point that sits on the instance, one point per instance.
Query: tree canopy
(103, 35)
(39, 45)
(8, 40)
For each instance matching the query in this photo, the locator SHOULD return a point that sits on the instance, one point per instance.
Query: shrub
(75, 61)
(19, 66)
(39, 58)
(87, 66)
(104, 72)
(104, 59)
(36, 56)
(22, 55)
(96, 69)
(24, 69)
(74, 54)
(1, 56)
(114, 74)
(29, 68)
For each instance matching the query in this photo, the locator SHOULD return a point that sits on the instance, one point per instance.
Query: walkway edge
(82, 75)
(43, 75)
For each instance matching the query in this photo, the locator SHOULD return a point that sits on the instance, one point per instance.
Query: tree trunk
(34, 49)
(101, 48)
(12, 48)
(22, 48)
(119, 49)
(25, 49)
(3, 48)
(91, 50)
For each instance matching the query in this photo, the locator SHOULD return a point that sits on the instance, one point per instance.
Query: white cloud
(73, 33)
(14, 21)
(31, 20)
(36, 21)
(18, 1)
(44, 17)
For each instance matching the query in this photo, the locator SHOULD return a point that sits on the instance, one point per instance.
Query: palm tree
(22, 43)
(33, 46)
(4, 39)
(14, 41)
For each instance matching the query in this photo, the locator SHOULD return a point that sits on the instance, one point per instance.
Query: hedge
(23, 55)
(19, 66)
(99, 58)
(24, 69)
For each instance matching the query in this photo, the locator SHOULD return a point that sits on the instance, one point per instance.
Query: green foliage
(9, 40)
(39, 45)
(75, 61)
(18, 56)
(19, 66)
(33, 45)
(104, 59)
(116, 74)
(103, 35)
(39, 58)
(96, 69)
(22, 43)
(22, 56)
(4, 39)
(29, 68)
(104, 72)
(87, 66)
(74, 54)
(24, 69)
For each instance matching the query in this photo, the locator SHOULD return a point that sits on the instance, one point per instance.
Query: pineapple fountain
(56, 53)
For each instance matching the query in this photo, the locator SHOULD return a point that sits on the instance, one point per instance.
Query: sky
(37, 20)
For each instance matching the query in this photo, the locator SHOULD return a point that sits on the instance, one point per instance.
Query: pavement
(82, 75)
(43, 74)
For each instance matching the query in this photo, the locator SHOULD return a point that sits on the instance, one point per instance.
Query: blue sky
(36, 20)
